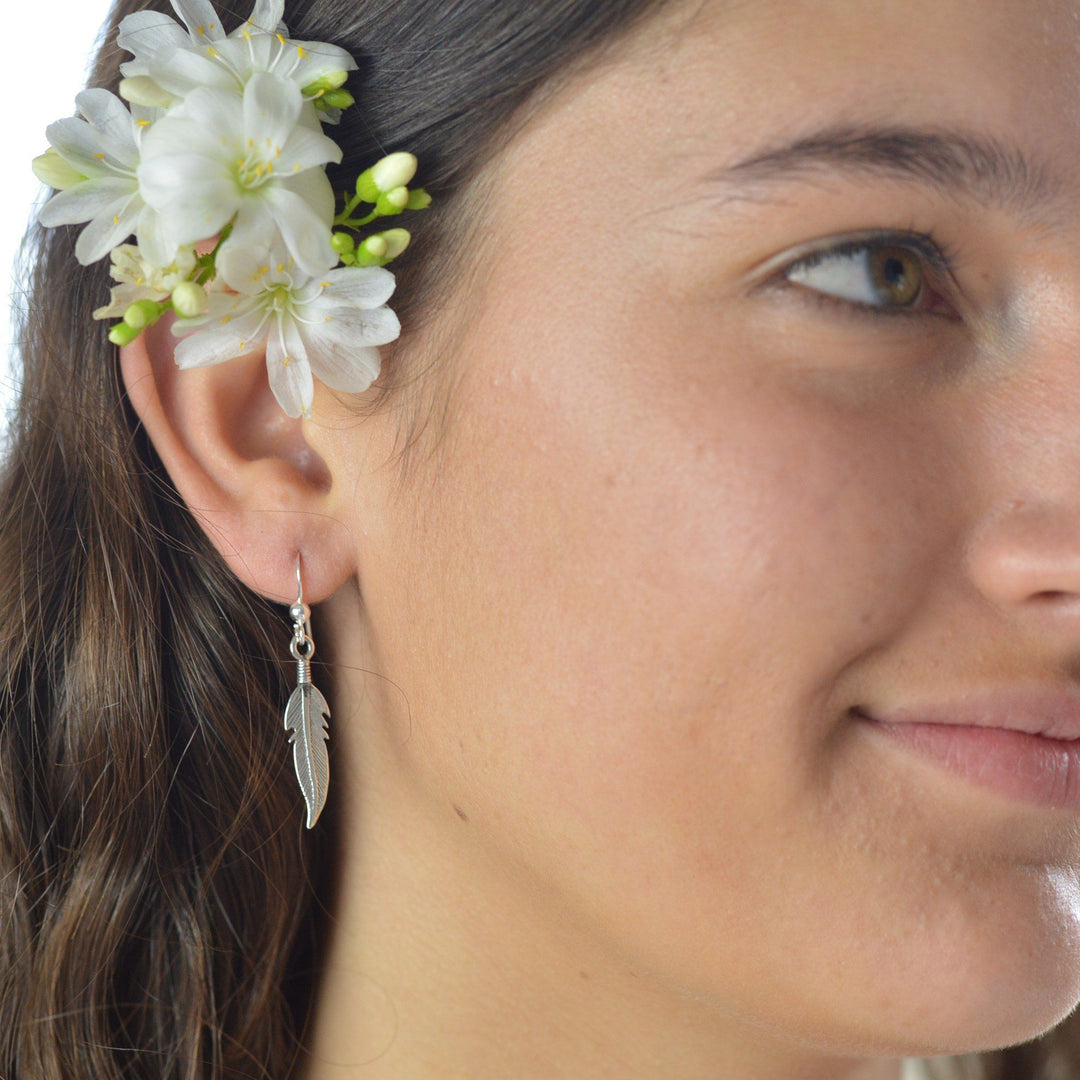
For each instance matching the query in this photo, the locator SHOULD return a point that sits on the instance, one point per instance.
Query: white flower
(218, 159)
(104, 148)
(139, 280)
(172, 61)
(330, 326)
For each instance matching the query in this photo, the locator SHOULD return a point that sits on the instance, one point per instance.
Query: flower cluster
(215, 163)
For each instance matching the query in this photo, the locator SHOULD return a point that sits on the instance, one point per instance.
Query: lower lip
(1029, 768)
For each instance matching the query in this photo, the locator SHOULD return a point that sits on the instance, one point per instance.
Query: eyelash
(934, 258)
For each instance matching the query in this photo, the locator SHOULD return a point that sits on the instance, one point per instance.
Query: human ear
(243, 467)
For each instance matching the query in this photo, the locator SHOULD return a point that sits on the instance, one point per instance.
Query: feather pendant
(306, 718)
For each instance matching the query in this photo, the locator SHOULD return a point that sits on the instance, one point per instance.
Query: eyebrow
(954, 162)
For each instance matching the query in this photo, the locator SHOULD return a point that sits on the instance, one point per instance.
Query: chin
(1003, 980)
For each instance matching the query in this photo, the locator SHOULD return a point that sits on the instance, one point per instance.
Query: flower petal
(122, 296)
(86, 200)
(340, 355)
(351, 369)
(80, 146)
(306, 237)
(196, 212)
(320, 58)
(209, 118)
(314, 188)
(356, 286)
(156, 244)
(290, 377)
(307, 149)
(224, 338)
(266, 17)
(149, 34)
(241, 261)
(201, 20)
(365, 326)
(184, 71)
(107, 230)
(110, 119)
(271, 108)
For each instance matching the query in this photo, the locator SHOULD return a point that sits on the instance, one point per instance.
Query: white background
(49, 46)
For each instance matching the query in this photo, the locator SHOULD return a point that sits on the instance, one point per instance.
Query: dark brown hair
(158, 913)
(157, 899)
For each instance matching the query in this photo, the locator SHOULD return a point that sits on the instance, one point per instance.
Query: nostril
(1055, 597)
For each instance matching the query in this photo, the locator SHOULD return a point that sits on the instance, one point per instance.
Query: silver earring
(307, 713)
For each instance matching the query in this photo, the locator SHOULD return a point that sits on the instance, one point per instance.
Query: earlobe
(243, 467)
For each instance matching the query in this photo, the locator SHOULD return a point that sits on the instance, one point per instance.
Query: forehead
(721, 78)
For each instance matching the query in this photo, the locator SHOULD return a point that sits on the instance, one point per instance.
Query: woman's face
(764, 426)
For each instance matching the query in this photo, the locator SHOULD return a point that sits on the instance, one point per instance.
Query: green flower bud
(143, 90)
(388, 174)
(342, 243)
(392, 202)
(372, 251)
(337, 99)
(393, 171)
(123, 334)
(419, 199)
(332, 80)
(142, 313)
(397, 240)
(365, 187)
(51, 169)
(375, 245)
(190, 300)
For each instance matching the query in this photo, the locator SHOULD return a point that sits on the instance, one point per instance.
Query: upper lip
(1052, 712)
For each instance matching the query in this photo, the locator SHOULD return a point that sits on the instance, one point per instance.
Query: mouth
(1021, 744)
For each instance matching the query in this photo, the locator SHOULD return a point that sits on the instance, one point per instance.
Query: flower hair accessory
(216, 167)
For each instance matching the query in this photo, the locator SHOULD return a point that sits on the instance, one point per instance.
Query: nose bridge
(1025, 549)
(1035, 397)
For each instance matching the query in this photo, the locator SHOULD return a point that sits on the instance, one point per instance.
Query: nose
(1026, 557)
(1023, 553)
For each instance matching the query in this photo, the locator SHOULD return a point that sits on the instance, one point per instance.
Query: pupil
(897, 275)
(895, 272)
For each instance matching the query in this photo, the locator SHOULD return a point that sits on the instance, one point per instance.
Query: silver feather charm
(307, 714)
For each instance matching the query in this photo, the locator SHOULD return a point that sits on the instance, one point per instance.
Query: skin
(604, 808)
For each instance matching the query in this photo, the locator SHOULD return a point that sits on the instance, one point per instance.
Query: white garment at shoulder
(913, 1069)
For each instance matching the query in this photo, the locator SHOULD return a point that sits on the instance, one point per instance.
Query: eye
(884, 274)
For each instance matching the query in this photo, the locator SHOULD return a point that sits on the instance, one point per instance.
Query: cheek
(644, 596)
